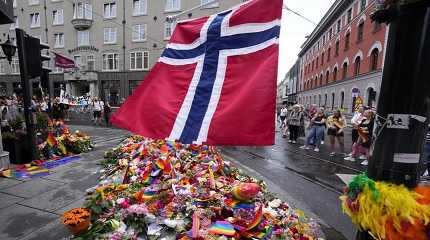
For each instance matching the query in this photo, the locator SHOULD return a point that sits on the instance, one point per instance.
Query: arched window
(335, 74)
(332, 101)
(325, 100)
(374, 59)
(319, 100)
(312, 83)
(347, 37)
(357, 66)
(360, 32)
(371, 97)
(321, 79)
(336, 50)
(318, 60)
(315, 99)
(316, 81)
(327, 75)
(328, 54)
(342, 99)
(322, 59)
(345, 70)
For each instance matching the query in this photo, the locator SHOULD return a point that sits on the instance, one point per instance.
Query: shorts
(97, 114)
(333, 132)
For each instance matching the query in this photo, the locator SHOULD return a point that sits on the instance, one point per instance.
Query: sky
(294, 29)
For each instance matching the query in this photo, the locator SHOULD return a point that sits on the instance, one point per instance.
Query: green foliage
(42, 120)
(17, 123)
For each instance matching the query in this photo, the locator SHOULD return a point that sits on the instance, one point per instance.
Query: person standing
(294, 120)
(355, 121)
(283, 116)
(336, 123)
(106, 113)
(317, 126)
(97, 111)
(364, 140)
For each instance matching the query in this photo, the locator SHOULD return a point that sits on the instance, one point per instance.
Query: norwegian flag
(63, 61)
(215, 82)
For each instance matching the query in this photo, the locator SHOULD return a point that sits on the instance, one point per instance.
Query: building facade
(341, 61)
(115, 43)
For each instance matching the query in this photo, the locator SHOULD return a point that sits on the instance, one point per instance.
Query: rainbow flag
(222, 228)
(52, 141)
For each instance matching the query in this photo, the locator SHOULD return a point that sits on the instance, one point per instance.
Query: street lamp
(8, 49)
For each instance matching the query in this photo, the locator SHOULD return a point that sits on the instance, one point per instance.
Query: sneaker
(294, 142)
(290, 141)
(349, 159)
(349, 154)
(362, 157)
(332, 154)
(303, 147)
(426, 173)
(322, 142)
(365, 162)
(316, 149)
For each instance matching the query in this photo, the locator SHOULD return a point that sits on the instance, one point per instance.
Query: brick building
(342, 59)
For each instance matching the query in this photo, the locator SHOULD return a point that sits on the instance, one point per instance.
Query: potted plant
(77, 220)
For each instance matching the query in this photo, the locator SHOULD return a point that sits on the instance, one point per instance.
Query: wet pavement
(306, 179)
(32, 209)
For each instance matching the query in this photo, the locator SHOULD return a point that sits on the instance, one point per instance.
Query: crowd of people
(314, 123)
(12, 107)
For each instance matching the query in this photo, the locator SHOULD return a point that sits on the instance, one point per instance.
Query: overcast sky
(294, 29)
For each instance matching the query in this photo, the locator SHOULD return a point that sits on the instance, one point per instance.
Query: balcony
(82, 23)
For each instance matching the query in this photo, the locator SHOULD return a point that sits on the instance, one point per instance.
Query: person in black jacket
(106, 113)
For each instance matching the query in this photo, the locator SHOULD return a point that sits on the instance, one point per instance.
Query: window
(212, 5)
(327, 75)
(78, 60)
(357, 66)
(360, 32)
(323, 40)
(349, 15)
(33, 2)
(325, 100)
(82, 10)
(109, 10)
(139, 61)
(335, 74)
(173, 5)
(58, 70)
(90, 62)
(342, 99)
(110, 61)
(15, 24)
(322, 59)
(330, 35)
(344, 70)
(362, 5)
(83, 38)
(321, 79)
(316, 63)
(59, 40)
(139, 7)
(319, 100)
(139, 32)
(328, 54)
(57, 17)
(374, 59)
(348, 35)
(109, 35)
(332, 101)
(14, 66)
(336, 52)
(34, 20)
(339, 23)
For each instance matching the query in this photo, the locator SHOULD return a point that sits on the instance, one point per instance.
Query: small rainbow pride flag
(222, 228)
(51, 140)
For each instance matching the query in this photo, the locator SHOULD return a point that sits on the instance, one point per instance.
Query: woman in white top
(97, 111)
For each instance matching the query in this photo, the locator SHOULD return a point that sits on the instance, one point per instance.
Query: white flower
(133, 178)
(275, 203)
(120, 200)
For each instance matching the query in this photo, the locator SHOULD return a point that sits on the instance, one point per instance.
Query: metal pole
(26, 85)
(404, 95)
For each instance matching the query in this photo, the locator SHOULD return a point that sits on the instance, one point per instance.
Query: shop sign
(83, 48)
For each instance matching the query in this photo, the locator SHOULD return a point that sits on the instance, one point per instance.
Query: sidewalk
(31, 209)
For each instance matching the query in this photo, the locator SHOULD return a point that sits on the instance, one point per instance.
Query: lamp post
(9, 51)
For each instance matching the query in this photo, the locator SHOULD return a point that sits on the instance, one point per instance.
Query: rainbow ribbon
(222, 228)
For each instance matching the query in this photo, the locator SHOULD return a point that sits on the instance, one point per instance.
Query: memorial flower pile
(155, 189)
(60, 142)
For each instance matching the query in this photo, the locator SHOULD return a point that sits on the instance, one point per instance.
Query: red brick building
(342, 59)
